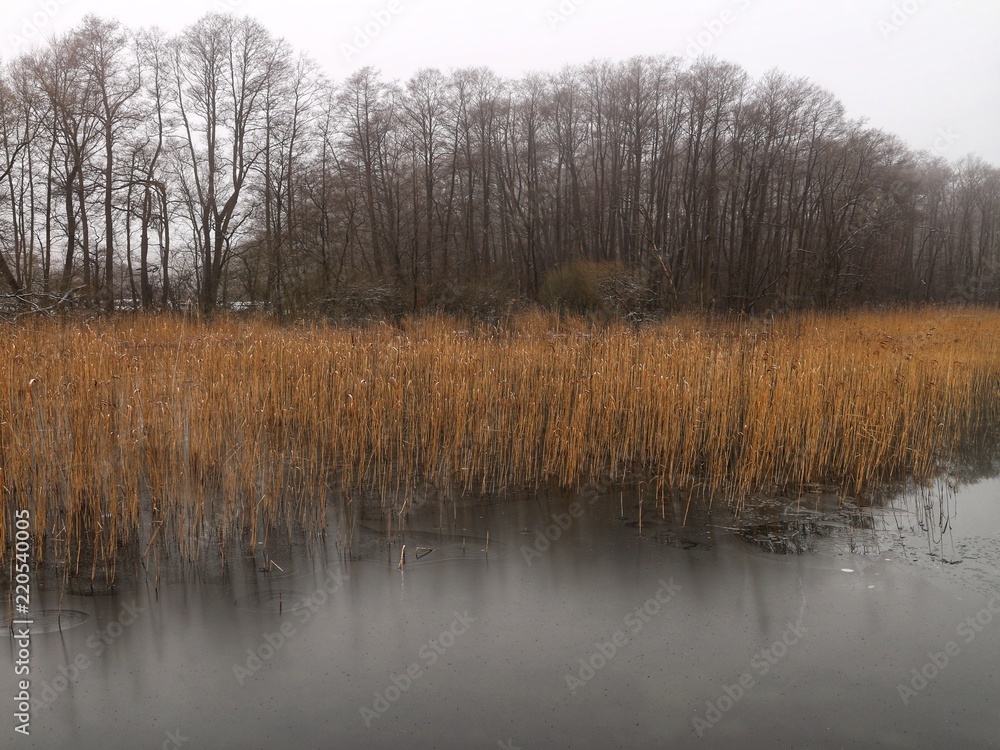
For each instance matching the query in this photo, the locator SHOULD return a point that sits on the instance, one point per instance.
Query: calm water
(782, 628)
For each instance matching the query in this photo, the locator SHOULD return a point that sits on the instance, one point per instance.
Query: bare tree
(688, 184)
(115, 82)
(220, 75)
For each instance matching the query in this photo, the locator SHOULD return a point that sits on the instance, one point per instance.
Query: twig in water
(151, 538)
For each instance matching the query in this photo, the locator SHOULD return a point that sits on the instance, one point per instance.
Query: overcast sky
(928, 70)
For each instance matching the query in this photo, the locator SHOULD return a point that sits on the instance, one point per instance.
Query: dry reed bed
(114, 433)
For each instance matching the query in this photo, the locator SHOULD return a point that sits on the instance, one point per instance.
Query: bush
(589, 286)
(358, 301)
(478, 299)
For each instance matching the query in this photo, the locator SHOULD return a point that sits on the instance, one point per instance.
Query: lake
(806, 625)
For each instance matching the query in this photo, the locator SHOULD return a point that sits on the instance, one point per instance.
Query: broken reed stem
(232, 430)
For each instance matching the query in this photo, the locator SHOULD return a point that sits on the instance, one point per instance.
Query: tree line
(217, 166)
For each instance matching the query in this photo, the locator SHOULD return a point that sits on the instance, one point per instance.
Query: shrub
(589, 286)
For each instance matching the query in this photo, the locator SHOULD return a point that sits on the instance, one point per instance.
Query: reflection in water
(285, 640)
(50, 620)
(231, 657)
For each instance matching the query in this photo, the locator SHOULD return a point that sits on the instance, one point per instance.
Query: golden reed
(114, 432)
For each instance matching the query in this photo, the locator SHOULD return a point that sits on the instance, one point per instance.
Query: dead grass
(115, 432)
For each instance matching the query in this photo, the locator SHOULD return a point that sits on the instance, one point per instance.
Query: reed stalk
(121, 433)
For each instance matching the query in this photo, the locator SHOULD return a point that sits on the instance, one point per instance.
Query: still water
(807, 626)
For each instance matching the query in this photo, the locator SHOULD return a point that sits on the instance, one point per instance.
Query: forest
(219, 168)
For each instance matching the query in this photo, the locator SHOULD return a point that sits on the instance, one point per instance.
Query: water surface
(806, 626)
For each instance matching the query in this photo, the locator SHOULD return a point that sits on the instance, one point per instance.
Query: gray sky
(928, 70)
